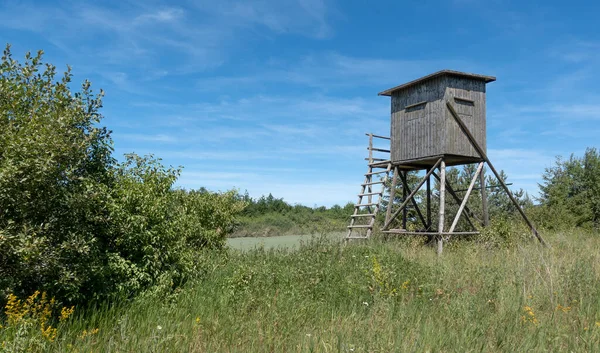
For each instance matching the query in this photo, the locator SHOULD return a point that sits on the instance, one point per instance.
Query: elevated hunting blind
(422, 128)
(437, 120)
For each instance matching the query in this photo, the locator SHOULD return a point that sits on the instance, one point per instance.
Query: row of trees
(74, 221)
(570, 197)
(268, 215)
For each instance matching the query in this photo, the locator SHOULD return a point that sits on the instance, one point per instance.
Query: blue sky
(276, 95)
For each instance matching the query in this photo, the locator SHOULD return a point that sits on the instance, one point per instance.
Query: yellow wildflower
(87, 333)
(197, 320)
(49, 333)
(530, 315)
(65, 313)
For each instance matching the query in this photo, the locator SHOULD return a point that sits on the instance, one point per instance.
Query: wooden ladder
(363, 218)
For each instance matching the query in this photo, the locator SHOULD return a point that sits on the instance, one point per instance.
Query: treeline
(569, 197)
(270, 216)
(75, 222)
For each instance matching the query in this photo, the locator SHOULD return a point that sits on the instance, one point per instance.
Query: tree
(73, 221)
(55, 168)
(570, 191)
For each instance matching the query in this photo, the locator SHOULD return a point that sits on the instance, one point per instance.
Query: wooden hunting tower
(436, 121)
(422, 129)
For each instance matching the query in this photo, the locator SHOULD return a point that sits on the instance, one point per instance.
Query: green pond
(282, 241)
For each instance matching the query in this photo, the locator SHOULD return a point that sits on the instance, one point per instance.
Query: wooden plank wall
(420, 126)
(468, 98)
(415, 131)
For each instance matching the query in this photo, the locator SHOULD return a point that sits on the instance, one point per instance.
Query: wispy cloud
(307, 17)
(148, 138)
(332, 71)
(135, 33)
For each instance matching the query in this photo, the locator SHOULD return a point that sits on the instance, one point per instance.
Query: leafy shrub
(73, 221)
(503, 232)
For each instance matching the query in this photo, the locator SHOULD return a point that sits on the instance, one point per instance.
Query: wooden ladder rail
(367, 191)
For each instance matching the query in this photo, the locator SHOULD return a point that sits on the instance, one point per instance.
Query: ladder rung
(379, 149)
(382, 164)
(365, 204)
(379, 172)
(370, 194)
(364, 215)
(373, 183)
(377, 136)
(376, 159)
(361, 226)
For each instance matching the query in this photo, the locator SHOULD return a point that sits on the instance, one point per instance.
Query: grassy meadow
(378, 296)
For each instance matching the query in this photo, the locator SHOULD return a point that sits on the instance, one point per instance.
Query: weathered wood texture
(422, 127)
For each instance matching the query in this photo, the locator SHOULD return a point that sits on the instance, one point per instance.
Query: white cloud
(164, 15)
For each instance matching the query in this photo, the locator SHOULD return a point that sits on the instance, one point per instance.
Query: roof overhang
(486, 79)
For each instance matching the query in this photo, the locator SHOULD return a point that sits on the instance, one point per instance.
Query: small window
(464, 107)
(415, 111)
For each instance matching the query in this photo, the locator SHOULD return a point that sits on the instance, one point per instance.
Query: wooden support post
(388, 212)
(414, 202)
(404, 193)
(428, 227)
(440, 239)
(479, 150)
(484, 205)
(412, 194)
(466, 198)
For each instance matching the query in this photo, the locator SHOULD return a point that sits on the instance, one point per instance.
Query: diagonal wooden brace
(481, 153)
(405, 182)
(468, 211)
(410, 196)
(463, 204)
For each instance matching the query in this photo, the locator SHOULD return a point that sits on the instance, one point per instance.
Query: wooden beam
(414, 202)
(389, 221)
(388, 212)
(428, 227)
(440, 239)
(377, 136)
(401, 231)
(481, 153)
(487, 187)
(466, 198)
(484, 205)
(404, 193)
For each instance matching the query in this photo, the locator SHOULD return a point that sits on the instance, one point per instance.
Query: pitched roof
(390, 91)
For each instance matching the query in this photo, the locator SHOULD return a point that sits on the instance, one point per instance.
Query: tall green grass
(365, 297)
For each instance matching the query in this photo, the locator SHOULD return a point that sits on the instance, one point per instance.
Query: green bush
(73, 221)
